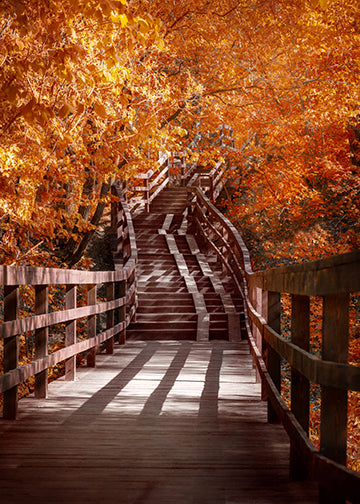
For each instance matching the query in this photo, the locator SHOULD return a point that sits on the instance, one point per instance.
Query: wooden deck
(157, 422)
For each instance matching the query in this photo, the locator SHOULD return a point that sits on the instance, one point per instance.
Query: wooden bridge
(180, 399)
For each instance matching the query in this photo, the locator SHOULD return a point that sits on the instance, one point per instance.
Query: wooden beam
(300, 386)
(272, 357)
(333, 429)
(122, 292)
(39, 321)
(335, 274)
(41, 340)
(11, 350)
(91, 327)
(19, 374)
(33, 275)
(110, 294)
(328, 373)
(70, 333)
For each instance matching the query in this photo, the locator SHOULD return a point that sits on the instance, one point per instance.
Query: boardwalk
(171, 422)
(174, 416)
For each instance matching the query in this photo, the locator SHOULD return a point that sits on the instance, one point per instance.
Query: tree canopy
(90, 87)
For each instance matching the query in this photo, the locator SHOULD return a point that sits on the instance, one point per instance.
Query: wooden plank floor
(158, 422)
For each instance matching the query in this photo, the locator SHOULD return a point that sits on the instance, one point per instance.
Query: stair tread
(166, 308)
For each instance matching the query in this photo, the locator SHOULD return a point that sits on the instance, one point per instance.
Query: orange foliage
(89, 89)
(80, 100)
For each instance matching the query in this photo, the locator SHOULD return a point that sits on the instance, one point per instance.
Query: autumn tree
(81, 105)
(90, 88)
(285, 75)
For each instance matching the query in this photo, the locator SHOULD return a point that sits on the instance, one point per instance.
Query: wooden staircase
(182, 294)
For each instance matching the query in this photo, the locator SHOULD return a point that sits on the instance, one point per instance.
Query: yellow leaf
(66, 109)
(323, 3)
(122, 18)
(100, 110)
(140, 37)
(143, 26)
(80, 108)
(11, 93)
(160, 43)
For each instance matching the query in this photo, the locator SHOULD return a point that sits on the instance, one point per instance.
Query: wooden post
(224, 250)
(126, 251)
(211, 188)
(70, 333)
(256, 299)
(183, 170)
(91, 327)
(41, 340)
(264, 312)
(122, 311)
(300, 386)
(147, 195)
(11, 350)
(333, 428)
(114, 221)
(272, 357)
(191, 227)
(110, 294)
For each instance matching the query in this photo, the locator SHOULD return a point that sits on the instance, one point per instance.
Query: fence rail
(334, 279)
(154, 182)
(119, 289)
(172, 167)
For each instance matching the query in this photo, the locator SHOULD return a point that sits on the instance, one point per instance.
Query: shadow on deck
(156, 422)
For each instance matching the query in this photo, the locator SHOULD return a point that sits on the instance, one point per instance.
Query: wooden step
(162, 324)
(171, 297)
(161, 335)
(165, 317)
(170, 266)
(167, 309)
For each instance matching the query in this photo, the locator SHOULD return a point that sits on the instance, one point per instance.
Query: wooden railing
(118, 288)
(154, 181)
(225, 138)
(334, 279)
(185, 174)
(210, 181)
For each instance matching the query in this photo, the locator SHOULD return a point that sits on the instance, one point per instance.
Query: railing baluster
(257, 302)
(300, 387)
(70, 333)
(91, 327)
(11, 350)
(264, 311)
(335, 347)
(122, 311)
(110, 294)
(272, 357)
(41, 340)
(147, 195)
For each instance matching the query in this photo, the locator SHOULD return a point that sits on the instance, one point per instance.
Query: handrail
(119, 308)
(187, 174)
(211, 181)
(334, 279)
(225, 140)
(154, 182)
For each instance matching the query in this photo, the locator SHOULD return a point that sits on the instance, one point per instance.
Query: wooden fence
(210, 180)
(154, 182)
(334, 279)
(118, 288)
